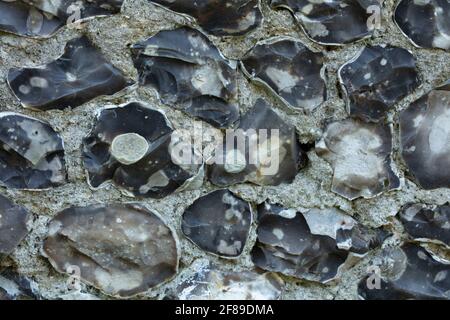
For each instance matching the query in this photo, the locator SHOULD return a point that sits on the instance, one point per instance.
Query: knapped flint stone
(218, 223)
(85, 8)
(14, 286)
(121, 249)
(189, 73)
(42, 18)
(271, 154)
(315, 246)
(78, 76)
(20, 18)
(332, 22)
(219, 17)
(290, 70)
(13, 225)
(31, 153)
(376, 79)
(425, 138)
(131, 145)
(428, 223)
(210, 283)
(348, 233)
(360, 154)
(425, 23)
(409, 272)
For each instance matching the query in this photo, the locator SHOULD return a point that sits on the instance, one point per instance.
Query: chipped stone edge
(11, 113)
(134, 204)
(263, 84)
(132, 85)
(393, 166)
(401, 30)
(299, 21)
(252, 220)
(64, 24)
(199, 28)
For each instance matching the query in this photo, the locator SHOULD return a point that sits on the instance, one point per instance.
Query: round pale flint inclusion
(425, 138)
(360, 154)
(425, 22)
(120, 249)
(334, 22)
(129, 148)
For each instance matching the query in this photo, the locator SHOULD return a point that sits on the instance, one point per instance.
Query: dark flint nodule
(425, 136)
(312, 246)
(42, 18)
(13, 225)
(189, 73)
(31, 153)
(233, 166)
(78, 76)
(361, 156)
(121, 249)
(23, 19)
(376, 79)
(14, 286)
(130, 145)
(210, 283)
(293, 72)
(333, 22)
(429, 223)
(219, 17)
(219, 223)
(408, 273)
(425, 23)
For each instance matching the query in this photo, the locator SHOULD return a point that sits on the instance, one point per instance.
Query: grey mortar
(139, 20)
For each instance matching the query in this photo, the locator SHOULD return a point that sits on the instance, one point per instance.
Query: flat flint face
(42, 18)
(376, 79)
(408, 273)
(31, 153)
(361, 156)
(189, 73)
(425, 133)
(219, 17)
(278, 149)
(121, 249)
(429, 223)
(153, 174)
(333, 22)
(13, 225)
(14, 286)
(209, 282)
(292, 71)
(78, 76)
(218, 223)
(314, 245)
(425, 23)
